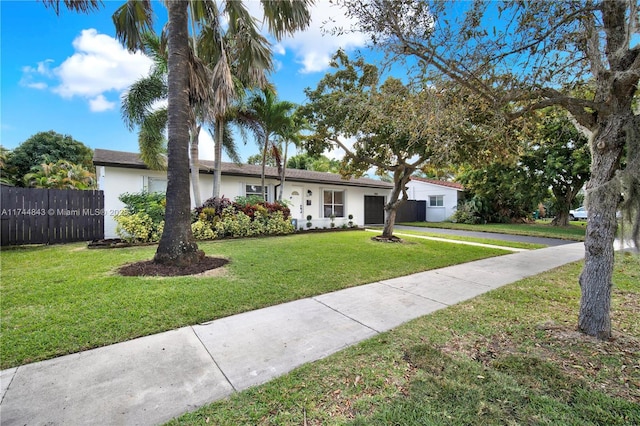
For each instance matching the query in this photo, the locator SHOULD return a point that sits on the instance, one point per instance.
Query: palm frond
(155, 47)
(200, 91)
(151, 140)
(223, 86)
(140, 98)
(132, 20)
(82, 6)
(229, 144)
(204, 12)
(284, 17)
(274, 151)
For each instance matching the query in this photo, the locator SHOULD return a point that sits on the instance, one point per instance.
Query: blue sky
(66, 73)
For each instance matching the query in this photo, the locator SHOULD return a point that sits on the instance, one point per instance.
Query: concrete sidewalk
(152, 379)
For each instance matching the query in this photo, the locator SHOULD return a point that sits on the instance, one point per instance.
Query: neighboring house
(441, 197)
(306, 192)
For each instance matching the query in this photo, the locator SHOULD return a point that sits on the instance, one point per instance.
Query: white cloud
(32, 76)
(278, 49)
(314, 47)
(34, 85)
(100, 103)
(99, 66)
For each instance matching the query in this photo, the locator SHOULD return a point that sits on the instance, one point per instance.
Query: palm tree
(60, 175)
(139, 101)
(177, 246)
(245, 123)
(273, 117)
(291, 133)
(139, 110)
(240, 58)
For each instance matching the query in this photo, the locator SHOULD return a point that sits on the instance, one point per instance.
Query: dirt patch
(611, 366)
(586, 357)
(150, 269)
(392, 239)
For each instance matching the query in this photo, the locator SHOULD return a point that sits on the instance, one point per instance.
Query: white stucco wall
(312, 203)
(422, 190)
(115, 181)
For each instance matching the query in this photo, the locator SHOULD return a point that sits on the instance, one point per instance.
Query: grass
(502, 243)
(57, 300)
(574, 232)
(510, 356)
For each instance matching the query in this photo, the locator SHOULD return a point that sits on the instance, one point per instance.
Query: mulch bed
(150, 269)
(392, 239)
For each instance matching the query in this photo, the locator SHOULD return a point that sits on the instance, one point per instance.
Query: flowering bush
(213, 207)
(245, 217)
(142, 219)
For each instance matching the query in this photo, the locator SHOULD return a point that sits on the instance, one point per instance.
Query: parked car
(578, 214)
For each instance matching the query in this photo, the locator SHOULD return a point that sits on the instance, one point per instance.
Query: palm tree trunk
(194, 135)
(177, 246)
(283, 172)
(264, 163)
(217, 168)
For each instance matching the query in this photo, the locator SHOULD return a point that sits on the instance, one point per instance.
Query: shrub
(202, 230)
(153, 204)
(233, 224)
(278, 224)
(142, 219)
(214, 206)
(246, 217)
(138, 227)
(249, 200)
(468, 213)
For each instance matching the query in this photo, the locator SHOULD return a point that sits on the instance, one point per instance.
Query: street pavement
(489, 235)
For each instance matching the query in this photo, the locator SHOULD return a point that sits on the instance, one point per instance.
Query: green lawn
(575, 231)
(509, 357)
(62, 299)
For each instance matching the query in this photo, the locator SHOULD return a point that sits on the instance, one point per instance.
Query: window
(156, 185)
(436, 200)
(250, 190)
(333, 203)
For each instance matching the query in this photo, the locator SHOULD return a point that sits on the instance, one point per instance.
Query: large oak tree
(524, 54)
(390, 126)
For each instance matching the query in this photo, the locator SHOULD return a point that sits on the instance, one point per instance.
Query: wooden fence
(412, 211)
(48, 216)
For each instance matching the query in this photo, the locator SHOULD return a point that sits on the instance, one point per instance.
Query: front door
(295, 203)
(373, 210)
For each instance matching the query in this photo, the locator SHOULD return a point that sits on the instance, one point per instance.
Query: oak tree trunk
(603, 193)
(401, 178)
(561, 219)
(177, 245)
(562, 205)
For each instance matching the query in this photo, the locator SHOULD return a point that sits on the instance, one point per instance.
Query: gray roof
(105, 157)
